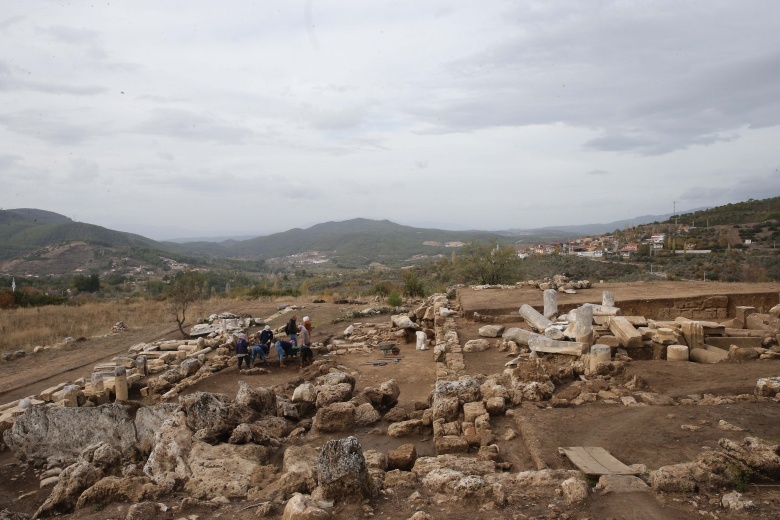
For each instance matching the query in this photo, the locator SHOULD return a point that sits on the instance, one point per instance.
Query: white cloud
(518, 114)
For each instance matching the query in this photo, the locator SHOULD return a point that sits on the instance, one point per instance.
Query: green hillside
(358, 242)
(750, 211)
(25, 231)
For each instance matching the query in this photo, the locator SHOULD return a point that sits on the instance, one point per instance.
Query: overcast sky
(203, 118)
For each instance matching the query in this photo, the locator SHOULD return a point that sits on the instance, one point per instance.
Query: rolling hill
(25, 231)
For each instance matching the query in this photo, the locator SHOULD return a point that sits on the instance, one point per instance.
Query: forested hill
(23, 231)
(358, 241)
(750, 211)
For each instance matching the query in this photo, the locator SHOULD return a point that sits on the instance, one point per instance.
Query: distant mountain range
(34, 240)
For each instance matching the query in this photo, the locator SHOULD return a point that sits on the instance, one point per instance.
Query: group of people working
(286, 349)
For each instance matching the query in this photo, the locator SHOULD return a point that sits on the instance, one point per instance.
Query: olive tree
(185, 290)
(489, 264)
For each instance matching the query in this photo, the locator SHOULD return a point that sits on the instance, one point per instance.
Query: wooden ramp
(595, 461)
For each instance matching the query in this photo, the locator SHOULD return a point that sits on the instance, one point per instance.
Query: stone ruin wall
(707, 307)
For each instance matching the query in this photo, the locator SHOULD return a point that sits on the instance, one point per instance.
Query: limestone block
(602, 310)
(623, 330)
(404, 428)
(337, 417)
(491, 331)
(473, 410)
(302, 507)
(402, 458)
(46, 395)
(451, 444)
(224, 470)
(496, 405)
(476, 345)
(551, 346)
(608, 340)
(742, 313)
(422, 340)
(708, 355)
(304, 393)
(43, 431)
(767, 387)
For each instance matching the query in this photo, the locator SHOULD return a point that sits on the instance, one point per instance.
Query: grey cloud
(186, 125)
(597, 172)
(694, 91)
(10, 81)
(165, 155)
(82, 170)
(334, 119)
(7, 161)
(70, 35)
(9, 22)
(49, 127)
(757, 186)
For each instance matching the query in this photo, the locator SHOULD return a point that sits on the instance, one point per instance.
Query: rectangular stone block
(742, 312)
(625, 332)
(725, 342)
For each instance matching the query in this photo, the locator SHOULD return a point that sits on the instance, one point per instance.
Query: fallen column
(694, 334)
(550, 303)
(532, 316)
(518, 335)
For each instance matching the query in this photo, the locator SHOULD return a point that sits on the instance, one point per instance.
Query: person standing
(266, 338)
(306, 353)
(242, 350)
(291, 329)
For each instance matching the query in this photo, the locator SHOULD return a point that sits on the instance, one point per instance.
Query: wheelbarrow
(389, 348)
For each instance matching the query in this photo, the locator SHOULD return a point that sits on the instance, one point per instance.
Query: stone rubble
(218, 449)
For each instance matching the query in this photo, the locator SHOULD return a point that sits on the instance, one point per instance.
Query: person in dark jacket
(291, 329)
(242, 350)
(284, 349)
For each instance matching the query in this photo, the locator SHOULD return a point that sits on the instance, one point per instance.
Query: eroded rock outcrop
(342, 472)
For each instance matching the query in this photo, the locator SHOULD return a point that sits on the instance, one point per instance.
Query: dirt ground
(649, 435)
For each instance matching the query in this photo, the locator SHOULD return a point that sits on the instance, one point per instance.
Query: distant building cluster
(601, 246)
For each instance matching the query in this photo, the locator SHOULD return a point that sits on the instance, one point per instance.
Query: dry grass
(50, 325)
(26, 328)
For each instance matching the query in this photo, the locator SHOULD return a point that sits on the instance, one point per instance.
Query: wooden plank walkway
(595, 461)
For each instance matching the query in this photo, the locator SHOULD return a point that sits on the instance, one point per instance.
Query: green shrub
(394, 299)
